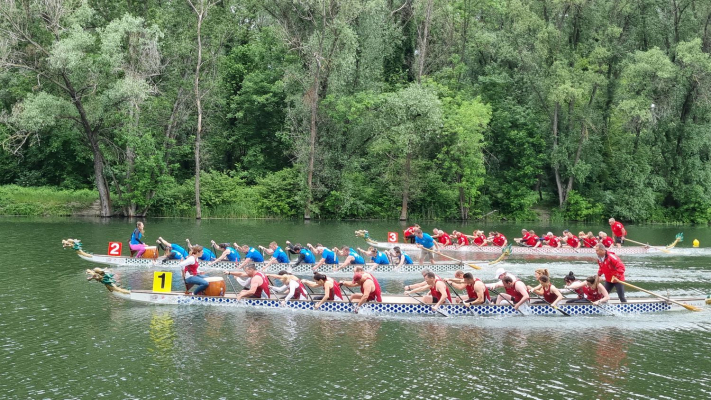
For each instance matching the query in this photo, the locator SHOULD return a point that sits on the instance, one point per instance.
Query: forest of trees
(362, 108)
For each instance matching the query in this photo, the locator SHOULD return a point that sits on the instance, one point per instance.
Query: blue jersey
(207, 255)
(330, 256)
(136, 237)
(308, 256)
(357, 258)
(408, 260)
(177, 252)
(254, 255)
(380, 259)
(280, 256)
(233, 255)
(426, 241)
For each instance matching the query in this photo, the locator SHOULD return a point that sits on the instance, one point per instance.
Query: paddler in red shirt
(498, 239)
(462, 239)
(439, 292)
(516, 292)
(369, 287)
(570, 239)
(551, 240)
(605, 240)
(524, 237)
(611, 267)
(410, 233)
(618, 232)
(442, 237)
(476, 290)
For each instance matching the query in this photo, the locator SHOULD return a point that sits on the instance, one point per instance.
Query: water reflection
(162, 335)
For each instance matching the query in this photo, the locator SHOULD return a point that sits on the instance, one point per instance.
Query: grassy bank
(44, 201)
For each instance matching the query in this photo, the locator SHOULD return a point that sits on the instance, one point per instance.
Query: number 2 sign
(392, 237)
(115, 248)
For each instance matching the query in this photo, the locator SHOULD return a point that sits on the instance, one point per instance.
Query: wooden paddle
(687, 306)
(452, 258)
(507, 300)
(647, 245)
(457, 293)
(554, 307)
(433, 309)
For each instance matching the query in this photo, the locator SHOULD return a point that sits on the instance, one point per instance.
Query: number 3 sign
(392, 237)
(115, 248)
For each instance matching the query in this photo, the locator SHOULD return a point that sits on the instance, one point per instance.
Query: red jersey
(264, 287)
(548, 295)
(445, 239)
(592, 295)
(472, 293)
(375, 294)
(532, 240)
(607, 241)
(618, 229)
(436, 294)
(192, 269)
(410, 231)
(463, 240)
(335, 291)
(573, 241)
(553, 241)
(589, 242)
(499, 240)
(480, 240)
(579, 291)
(611, 266)
(515, 295)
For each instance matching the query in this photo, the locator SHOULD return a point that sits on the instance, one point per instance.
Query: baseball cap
(499, 272)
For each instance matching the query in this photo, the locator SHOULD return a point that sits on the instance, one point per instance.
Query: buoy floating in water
(695, 242)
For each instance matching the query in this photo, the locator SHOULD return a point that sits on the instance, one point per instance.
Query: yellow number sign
(162, 281)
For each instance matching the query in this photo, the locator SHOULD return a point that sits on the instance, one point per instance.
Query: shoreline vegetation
(48, 201)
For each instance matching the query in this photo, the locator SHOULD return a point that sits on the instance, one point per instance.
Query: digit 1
(162, 280)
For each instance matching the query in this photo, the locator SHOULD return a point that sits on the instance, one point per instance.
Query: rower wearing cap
(439, 292)
(328, 257)
(259, 285)
(369, 288)
(476, 290)
(352, 257)
(500, 274)
(331, 289)
(516, 292)
(251, 255)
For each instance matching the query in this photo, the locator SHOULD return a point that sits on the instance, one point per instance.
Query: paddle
(507, 300)
(452, 258)
(687, 306)
(647, 245)
(505, 252)
(590, 302)
(554, 307)
(433, 309)
(232, 284)
(460, 297)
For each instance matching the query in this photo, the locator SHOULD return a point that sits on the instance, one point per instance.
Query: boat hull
(399, 305)
(148, 263)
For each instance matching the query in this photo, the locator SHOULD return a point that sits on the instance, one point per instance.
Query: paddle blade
(474, 266)
(692, 308)
(708, 301)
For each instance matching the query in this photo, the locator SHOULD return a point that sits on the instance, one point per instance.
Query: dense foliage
(363, 108)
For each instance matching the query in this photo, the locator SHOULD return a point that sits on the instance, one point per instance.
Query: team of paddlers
(257, 284)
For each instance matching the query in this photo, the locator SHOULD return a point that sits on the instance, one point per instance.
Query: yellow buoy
(695, 242)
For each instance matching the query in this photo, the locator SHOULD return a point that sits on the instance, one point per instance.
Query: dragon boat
(394, 305)
(474, 251)
(155, 263)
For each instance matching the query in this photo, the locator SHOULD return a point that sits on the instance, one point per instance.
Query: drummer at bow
(193, 276)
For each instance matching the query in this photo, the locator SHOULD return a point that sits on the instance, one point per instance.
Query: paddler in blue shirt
(378, 257)
(427, 244)
(399, 258)
(228, 252)
(172, 251)
(306, 256)
(278, 255)
(352, 257)
(251, 255)
(328, 257)
(207, 254)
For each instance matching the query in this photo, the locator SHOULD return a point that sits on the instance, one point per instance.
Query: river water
(61, 337)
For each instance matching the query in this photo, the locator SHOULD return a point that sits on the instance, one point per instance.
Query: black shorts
(619, 239)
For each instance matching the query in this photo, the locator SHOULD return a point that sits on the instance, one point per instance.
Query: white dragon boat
(474, 251)
(390, 305)
(155, 263)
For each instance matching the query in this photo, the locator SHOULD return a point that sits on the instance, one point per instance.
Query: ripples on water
(61, 337)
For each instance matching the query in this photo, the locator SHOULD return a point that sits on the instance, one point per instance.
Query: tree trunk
(423, 40)
(556, 170)
(463, 209)
(405, 188)
(198, 103)
(313, 99)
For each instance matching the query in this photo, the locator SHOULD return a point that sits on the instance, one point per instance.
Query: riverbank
(45, 201)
